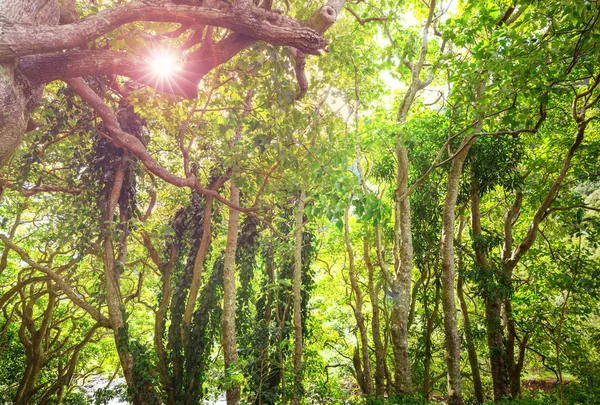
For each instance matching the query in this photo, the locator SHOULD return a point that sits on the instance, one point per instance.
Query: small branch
(363, 21)
(68, 290)
(570, 207)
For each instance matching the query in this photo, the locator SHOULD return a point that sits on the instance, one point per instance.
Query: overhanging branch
(20, 39)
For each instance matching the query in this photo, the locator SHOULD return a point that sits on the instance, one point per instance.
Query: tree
(186, 217)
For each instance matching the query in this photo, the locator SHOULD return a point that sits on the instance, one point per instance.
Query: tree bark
(492, 305)
(229, 296)
(35, 345)
(374, 288)
(429, 343)
(403, 253)
(471, 350)
(358, 373)
(18, 39)
(514, 368)
(264, 354)
(403, 250)
(358, 314)
(448, 300)
(386, 313)
(114, 299)
(17, 97)
(199, 262)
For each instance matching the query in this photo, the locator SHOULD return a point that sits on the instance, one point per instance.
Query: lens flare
(164, 64)
(165, 71)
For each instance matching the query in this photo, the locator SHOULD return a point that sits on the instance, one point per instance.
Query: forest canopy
(272, 202)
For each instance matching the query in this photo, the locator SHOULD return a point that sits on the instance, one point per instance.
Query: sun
(165, 71)
(164, 64)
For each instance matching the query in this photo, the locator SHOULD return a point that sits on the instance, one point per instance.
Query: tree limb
(21, 39)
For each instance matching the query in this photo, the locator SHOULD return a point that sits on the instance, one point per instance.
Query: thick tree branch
(20, 39)
(540, 214)
(44, 68)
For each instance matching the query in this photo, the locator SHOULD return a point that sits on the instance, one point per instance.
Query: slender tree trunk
(448, 299)
(403, 253)
(427, 360)
(264, 355)
(496, 347)
(360, 320)
(428, 343)
(158, 335)
(472, 352)
(27, 388)
(511, 257)
(228, 322)
(296, 287)
(159, 325)
(114, 300)
(514, 373)
(386, 313)
(559, 329)
(360, 376)
(403, 250)
(492, 305)
(375, 324)
(35, 345)
(199, 263)
(281, 323)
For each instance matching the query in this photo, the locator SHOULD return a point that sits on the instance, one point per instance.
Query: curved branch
(122, 139)
(20, 39)
(68, 290)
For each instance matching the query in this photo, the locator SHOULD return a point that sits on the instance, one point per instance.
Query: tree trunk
(114, 300)
(17, 97)
(264, 354)
(428, 342)
(447, 248)
(34, 346)
(375, 324)
(403, 253)
(199, 263)
(511, 257)
(228, 322)
(472, 352)
(358, 315)
(515, 363)
(386, 313)
(496, 347)
(296, 287)
(360, 377)
(492, 305)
